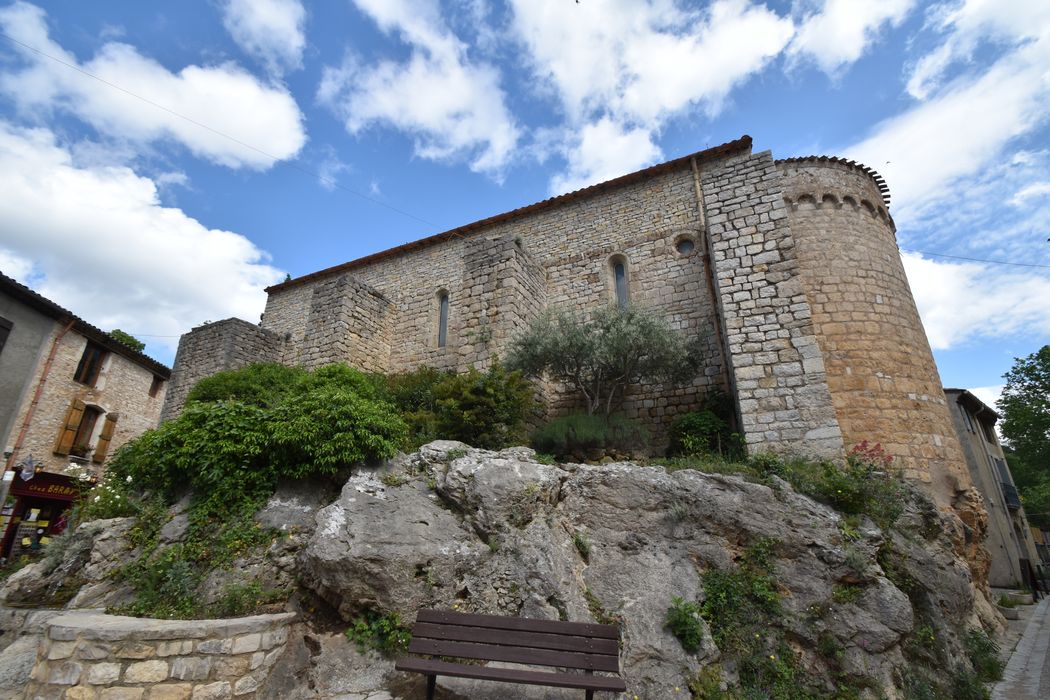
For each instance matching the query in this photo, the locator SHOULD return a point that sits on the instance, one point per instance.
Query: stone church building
(787, 270)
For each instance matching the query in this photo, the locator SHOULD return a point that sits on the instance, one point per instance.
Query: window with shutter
(90, 364)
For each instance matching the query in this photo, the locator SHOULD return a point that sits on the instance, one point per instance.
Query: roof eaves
(50, 308)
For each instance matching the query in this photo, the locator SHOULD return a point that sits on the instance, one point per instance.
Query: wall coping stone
(100, 626)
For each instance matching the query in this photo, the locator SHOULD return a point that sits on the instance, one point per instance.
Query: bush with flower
(112, 497)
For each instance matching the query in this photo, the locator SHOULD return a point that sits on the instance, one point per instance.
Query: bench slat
(577, 629)
(512, 675)
(520, 655)
(513, 638)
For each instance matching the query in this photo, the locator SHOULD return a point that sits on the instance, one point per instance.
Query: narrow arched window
(620, 280)
(442, 318)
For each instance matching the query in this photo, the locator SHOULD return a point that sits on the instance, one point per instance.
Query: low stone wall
(93, 656)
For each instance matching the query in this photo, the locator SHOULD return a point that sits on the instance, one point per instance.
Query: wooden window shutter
(103, 439)
(68, 434)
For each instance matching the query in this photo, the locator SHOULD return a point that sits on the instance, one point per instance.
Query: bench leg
(431, 685)
(590, 695)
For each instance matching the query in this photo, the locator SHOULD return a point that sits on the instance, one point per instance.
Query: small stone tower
(880, 369)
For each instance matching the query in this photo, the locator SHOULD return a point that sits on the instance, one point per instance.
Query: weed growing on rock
(394, 479)
(383, 632)
(984, 655)
(598, 611)
(845, 593)
(524, 505)
(582, 546)
(683, 619)
(453, 455)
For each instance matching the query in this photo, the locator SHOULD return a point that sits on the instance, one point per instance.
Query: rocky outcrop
(502, 533)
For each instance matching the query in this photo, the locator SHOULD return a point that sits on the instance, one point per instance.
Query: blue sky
(161, 163)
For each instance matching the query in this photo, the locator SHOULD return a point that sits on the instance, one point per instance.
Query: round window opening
(685, 246)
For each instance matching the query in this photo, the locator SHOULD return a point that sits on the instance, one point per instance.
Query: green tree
(128, 339)
(602, 355)
(1025, 407)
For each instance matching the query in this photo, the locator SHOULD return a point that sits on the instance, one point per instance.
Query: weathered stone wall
(215, 347)
(93, 656)
(22, 353)
(349, 323)
(122, 388)
(778, 372)
(880, 368)
(495, 287)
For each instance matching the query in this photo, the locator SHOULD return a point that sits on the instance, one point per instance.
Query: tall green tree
(603, 354)
(1025, 408)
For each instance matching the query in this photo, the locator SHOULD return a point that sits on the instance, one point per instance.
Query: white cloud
(638, 64)
(225, 98)
(101, 244)
(959, 302)
(329, 169)
(452, 105)
(961, 129)
(841, 30)
(1032, 191)
(968, 23)
(605, 150)
(15, 266)
(270, 30)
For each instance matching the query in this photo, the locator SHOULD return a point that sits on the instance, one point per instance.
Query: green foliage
(239, 599)
(706, 431)
(384, 633)
(598, 612)
(602, 355)
(263, 385)
(683, 619)
(582, 546)
(983, 653)
(231, 452)
(483, 409)
(845, 593)
(112, 497)
(740, 601)
(128, 339)
(243, 432)
(1025, 407)
(581, 436)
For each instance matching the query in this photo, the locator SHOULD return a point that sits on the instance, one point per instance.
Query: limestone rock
(499, 532)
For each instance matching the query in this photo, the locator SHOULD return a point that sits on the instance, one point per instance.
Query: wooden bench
(577, 645)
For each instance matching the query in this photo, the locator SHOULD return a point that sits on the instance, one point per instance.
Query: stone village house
(1010, 541)
(787, 270)
(69, 392)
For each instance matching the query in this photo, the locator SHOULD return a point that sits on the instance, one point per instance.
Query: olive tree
(601, 354)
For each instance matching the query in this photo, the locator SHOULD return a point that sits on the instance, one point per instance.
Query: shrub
(383, 632)
(263, 384)
(483, 409)
(984, 655)
(683, 619)
(704, 432)
(581, 436)
(602, 355)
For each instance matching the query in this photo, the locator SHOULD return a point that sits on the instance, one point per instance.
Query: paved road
(1027, 675)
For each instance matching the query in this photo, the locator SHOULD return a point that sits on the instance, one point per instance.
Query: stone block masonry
(93, 656)
(781, 387)
(784, 273)
(214, 347)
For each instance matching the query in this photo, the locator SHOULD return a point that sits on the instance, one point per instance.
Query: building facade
(787, 272)
(69, 392)
(1009, 540)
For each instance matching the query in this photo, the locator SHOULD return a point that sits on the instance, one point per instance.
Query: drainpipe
(716, 301)
(36, 397)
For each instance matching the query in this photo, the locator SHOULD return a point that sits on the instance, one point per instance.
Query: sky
(162, 163)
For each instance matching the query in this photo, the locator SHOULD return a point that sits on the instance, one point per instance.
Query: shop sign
(47, 485)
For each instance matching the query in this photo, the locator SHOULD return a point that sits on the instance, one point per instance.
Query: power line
(306, 171)
(959, 257)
